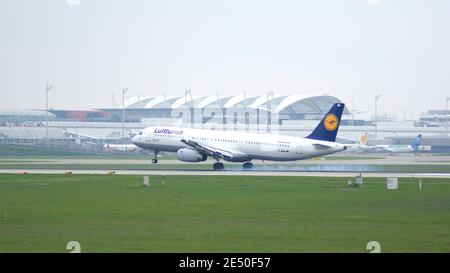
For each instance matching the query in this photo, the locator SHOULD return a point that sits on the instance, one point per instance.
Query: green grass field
(113, 213)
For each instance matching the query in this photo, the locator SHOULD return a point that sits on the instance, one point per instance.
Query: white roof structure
(291, 99)
(155, 101)
(317, 104)
(236, 100)
(133, 100)
(264, 100)
(184, 100)
(207, 101)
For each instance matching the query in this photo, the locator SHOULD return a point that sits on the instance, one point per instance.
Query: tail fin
(329, 125)
(363, 139)
(416, 142)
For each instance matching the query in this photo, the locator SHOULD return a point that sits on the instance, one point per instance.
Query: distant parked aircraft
(121, 147)
(414, 147)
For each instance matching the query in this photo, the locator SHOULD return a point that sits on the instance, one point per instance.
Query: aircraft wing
(214, 151)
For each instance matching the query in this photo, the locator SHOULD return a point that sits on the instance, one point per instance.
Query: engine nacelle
(189, 155)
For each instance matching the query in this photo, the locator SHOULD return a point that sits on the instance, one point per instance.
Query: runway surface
(336, 166)
(345, 159)
(231, 173)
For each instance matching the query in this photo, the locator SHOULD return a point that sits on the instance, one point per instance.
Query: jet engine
(190, 155)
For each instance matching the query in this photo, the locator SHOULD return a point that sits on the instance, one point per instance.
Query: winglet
(328, 127)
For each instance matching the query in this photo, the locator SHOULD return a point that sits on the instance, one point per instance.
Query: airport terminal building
(224, 110)
(295, 115)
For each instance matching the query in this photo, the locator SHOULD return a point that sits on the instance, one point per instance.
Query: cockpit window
(140, 133)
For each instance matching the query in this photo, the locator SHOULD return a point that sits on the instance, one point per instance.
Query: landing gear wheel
(155, 160)
(218, 166)
(248, 166)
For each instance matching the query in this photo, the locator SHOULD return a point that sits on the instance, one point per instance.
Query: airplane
(414, 147)
(74, 134)
(121, 147)
(195, 145)
(360, 147)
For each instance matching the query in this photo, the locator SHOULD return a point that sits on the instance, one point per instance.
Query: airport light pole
(377, 97)
(123, 112)
(447, 99)
(186, 107)
(47, 89)
(269, 112)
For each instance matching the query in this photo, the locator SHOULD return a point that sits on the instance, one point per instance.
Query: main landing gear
(248, 166)
(218, 166)
(155, 160)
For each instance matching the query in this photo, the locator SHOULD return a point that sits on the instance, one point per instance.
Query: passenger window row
(223, 140)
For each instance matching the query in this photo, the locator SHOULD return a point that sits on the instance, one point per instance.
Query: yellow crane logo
(331, 122)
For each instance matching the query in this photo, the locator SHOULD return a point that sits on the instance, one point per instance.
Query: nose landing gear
(155, 160)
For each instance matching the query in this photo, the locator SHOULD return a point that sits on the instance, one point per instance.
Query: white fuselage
(245, 146)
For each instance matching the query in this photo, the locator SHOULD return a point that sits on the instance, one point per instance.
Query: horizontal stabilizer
(321, 146)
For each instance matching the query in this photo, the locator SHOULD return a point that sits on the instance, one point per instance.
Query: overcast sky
(90, 49)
